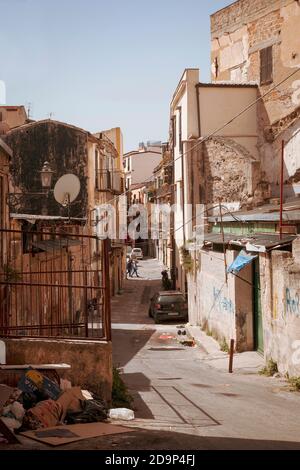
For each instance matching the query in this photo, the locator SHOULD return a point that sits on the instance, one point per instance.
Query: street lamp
(46, 175)
(15, 199)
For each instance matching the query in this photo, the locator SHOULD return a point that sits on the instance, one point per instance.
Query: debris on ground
(75, 432)
(40, 403)
(33, 381)
(123, 414)
(188, 342)
(65, 384)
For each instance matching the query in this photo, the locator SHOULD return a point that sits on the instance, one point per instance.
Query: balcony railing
(107, 180)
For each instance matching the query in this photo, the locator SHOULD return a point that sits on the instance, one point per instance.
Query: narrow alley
(185, 391)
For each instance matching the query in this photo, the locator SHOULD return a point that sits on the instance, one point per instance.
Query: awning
(241, 261)
(34, 217)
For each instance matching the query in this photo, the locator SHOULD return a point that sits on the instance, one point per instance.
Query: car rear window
(171, 299)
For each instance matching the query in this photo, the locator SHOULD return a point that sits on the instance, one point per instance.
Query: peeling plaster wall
(231, 173)
(224, 310)
(280, 295)
(65, 148)
(238, 34)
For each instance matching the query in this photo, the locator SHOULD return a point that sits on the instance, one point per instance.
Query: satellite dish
(66, 189)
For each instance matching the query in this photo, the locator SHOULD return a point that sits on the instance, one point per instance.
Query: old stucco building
(226, 141)
(57, 292)
(258, 41)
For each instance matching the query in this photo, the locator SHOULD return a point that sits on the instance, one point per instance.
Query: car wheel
(150, 313)
(156, 319)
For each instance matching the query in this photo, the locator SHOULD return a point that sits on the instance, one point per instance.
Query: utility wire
(201, 140)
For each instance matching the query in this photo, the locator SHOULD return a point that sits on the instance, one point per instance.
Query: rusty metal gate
(54, 282)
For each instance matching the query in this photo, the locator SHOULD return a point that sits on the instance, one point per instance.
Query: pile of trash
(41, 402)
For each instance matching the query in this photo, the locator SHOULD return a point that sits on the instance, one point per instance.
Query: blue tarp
(242, 260)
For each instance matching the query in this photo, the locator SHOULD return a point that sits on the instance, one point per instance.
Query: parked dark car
(168, 305)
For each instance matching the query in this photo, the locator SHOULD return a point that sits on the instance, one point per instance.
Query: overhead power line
(201, 140)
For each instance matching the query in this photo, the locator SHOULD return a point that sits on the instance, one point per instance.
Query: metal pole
(231, 351)
(107, 306)
(281, 189)
(223, 240)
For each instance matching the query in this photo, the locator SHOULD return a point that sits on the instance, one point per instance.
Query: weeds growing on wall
(294, 383)
(224, 346)
(121, 398)
(270, 369)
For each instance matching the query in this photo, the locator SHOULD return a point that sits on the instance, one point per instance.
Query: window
(128, 164)
(266, 65)
(174, 131)
(216, 63)
(96, 169)
(180, 131)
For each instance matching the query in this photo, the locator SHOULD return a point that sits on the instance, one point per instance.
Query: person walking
(129, 267)
(135, 268)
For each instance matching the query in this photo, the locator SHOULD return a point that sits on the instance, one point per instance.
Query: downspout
(173, 269)
(182, 171)
(202, 195)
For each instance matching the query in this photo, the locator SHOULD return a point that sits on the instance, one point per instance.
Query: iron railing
(107, 180)
(53, 284)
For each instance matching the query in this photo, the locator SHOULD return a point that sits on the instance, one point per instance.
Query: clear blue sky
(99, 64)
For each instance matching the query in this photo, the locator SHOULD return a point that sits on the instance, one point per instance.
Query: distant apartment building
(12, 116)
(139, 164)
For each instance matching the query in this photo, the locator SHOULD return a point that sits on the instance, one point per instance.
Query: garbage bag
(92, 411)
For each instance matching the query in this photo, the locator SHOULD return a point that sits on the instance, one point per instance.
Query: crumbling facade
(257, 41)
(226, 140)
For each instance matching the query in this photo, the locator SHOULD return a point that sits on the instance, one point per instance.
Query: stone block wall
(90, 361)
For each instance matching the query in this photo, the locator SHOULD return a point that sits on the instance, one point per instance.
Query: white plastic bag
(121, 413)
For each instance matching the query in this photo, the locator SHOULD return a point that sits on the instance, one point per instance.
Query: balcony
(112, 181)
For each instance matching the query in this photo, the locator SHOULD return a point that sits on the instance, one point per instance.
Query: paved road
(177, 391)
(181, 401)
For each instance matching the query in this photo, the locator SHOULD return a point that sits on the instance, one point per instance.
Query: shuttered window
(266, 65)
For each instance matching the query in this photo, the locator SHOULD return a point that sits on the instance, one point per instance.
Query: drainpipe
(198, 109)
(182, 171)
(281, 224)
(281, 189)
(173, 262)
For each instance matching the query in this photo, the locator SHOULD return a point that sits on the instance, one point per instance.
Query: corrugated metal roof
(256, 241)
(266, 213)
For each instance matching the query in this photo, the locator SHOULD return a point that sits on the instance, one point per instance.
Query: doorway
(257, 310)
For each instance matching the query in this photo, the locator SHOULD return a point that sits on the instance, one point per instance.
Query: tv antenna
(29, 109)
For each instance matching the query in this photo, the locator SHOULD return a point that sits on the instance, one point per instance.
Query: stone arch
(231, 173)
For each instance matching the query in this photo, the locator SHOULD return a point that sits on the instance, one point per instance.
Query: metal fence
(54, 283)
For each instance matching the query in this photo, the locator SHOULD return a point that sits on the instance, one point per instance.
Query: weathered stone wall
(90, 361)
(280, 295)
(231, 174)
(239, 33)
(240, 12)
(64, 147)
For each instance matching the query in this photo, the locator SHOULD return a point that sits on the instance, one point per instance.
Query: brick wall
(242, 11)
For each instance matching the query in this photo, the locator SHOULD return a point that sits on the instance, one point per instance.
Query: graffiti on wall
(222, 303)
(292, 301)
